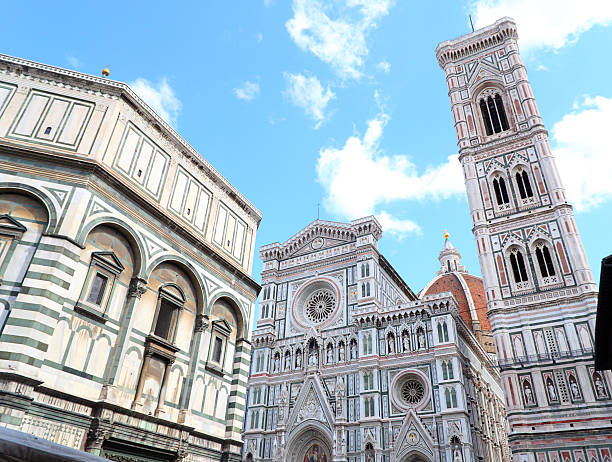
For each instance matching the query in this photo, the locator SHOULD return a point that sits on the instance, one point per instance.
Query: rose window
(320, 305)
(413, 391)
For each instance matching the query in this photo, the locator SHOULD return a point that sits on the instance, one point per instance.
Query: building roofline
(384, 263)
(123, 90)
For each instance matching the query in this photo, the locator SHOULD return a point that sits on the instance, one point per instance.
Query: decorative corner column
(340, 432)
(99, 431)
(137, 404)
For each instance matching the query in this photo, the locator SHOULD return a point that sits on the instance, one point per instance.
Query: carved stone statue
(599, 386)
(341, 352)
(298, 359)
(575, 389)
(330, 355)
(528, 393)
(405, 341)
(276, 363)
(421, 339)
(390, 344)
(287, 362)
(551, 390)
(313, 357)
(457, 455)
(353, 350)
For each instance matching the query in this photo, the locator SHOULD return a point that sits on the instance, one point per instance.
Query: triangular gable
(484, 71)
(110, 259)
(222, 325)
(317, 244)
(311, 405)
(9, 226)
(414, 437)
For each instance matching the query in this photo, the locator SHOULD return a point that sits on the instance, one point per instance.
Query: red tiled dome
(467, 289)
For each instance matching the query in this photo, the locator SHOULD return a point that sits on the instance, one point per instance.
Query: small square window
(48, 131)
(98, 286)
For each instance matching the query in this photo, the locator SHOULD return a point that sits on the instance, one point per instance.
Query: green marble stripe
(239, 382)
(10, 420)
(59, 249)
(53, 264)
(21, 340)
(8, 292)
(234, 405)
(20, 357)
(233, 428)
(19, 305)
(12, 321)
(49, 278)
(43, 293)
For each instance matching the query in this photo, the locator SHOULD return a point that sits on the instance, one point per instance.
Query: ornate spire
(450, 258)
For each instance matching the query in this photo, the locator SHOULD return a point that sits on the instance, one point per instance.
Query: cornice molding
(91, 168)
(113, 88)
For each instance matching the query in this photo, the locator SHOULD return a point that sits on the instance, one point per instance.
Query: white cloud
(541, 67)
(73, 61)
(583, 148)
(259, 37)
(548, 24)
(384, 66)
(339, 42)
(397, 227)
(359, 179)
(308, 93)
(267, 3)
(247, 91)
(161, 98)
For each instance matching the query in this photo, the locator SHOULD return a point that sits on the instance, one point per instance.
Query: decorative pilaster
(99, 431)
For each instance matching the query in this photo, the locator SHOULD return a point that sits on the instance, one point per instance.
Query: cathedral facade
(349, 364)
(125, 292)
(540, 292)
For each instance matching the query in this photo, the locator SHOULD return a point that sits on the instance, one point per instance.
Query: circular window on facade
(320, 305)
(413, 391)
(316, 304)
(409, 390)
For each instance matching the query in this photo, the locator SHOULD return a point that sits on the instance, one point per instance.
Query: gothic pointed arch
(311, 409)
(413, 439)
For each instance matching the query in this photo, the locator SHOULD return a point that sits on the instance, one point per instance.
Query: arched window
(451, 375)
(368, 380)
(451, 397)
(363, 290)
(440, 337)
(501, 192)
(517, 262)
(524, 186)
(444, 371)
(545, 261)
(362, 270)
(367, 269)
(369, 406)
(493, 114)
(445, 331)
(368, 289)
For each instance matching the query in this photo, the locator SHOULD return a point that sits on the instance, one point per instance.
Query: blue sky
(342, 102)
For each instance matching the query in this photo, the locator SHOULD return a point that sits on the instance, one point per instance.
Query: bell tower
(541, 295)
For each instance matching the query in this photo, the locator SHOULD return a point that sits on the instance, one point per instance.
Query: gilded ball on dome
(446, 234)
(106, 72)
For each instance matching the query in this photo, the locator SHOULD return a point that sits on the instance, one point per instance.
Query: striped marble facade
(125, 291)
